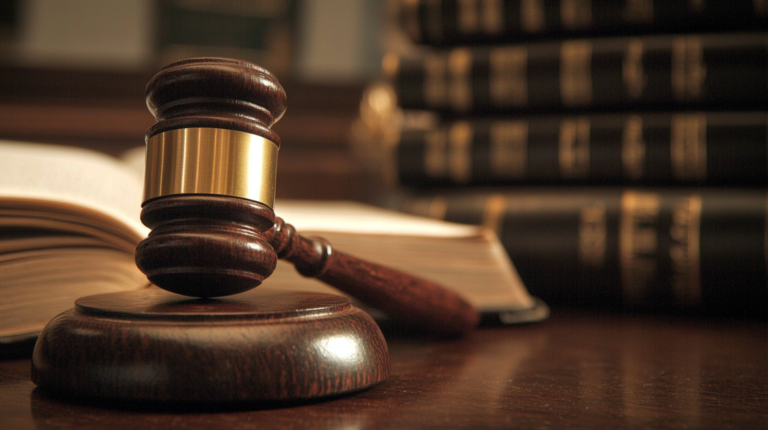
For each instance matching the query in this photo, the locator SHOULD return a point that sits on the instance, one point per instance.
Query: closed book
(718, 71)
(679, 250)
(681, 148)
(452, 22)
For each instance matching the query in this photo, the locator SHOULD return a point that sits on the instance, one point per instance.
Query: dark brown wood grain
(217, 93)
(206, 246)
(260, 346)
(577, 370)
(417, 302)
(213, 246)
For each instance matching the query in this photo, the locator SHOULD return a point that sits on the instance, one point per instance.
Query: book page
(72, 177)
(351, 217)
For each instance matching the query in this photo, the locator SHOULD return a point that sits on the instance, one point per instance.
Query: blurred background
(74, 72)
(617, 148)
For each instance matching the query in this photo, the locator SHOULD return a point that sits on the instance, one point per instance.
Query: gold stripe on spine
(509, 76)
(479, 16)
(435, 80)
(436, 153)
(468, 16)
(633, 148)
(576, 14)
(574, 148)
(493, 212)
(632, 71)
(532, 16)
(460, 138)
(688, 146)
(576, 73)
(638, 244)
(592, 235)
(509, 149)
(460, 68)
(211, 161)
(493, 16)
(688, 68)
(684, 250)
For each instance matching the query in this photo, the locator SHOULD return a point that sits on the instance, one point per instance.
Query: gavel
(209, 192)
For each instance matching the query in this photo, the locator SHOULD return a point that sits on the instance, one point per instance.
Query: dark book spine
(697, 148)
(673, 72)
(697, 250)
(452, 22)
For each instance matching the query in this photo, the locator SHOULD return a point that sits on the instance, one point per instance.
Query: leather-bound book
(678, 250)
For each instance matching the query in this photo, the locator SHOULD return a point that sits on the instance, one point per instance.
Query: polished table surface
(576, 370)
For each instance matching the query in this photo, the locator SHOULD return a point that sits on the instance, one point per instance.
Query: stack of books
(617, 148)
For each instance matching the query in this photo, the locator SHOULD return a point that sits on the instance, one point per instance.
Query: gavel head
(210, 176)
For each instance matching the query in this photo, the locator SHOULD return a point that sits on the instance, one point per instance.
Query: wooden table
(576, 370)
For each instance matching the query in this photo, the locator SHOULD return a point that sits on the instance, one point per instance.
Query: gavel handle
(407, 299)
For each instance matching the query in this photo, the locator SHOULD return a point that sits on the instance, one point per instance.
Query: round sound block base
(152, 345)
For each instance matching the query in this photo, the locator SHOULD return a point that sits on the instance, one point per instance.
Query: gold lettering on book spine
(688, 69)
(509, 149)
(469, 16)
(460, 137)
(493, 212)
(434, 21)
(493, 16)
(638, 11)
(576, 14)
(688, 146)
(592, 235)
(684, 251)
(509, 76)
(436, 153)
(211, 161)
(638, 244)
(460, 69)
(574, 148)
(632, 70)
(576, 73)
(633, 148)
(532, 18)
(435, 80)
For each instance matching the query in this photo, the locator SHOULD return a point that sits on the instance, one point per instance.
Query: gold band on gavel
(211, 161)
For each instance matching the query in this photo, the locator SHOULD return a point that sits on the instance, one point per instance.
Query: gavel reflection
(209, 194)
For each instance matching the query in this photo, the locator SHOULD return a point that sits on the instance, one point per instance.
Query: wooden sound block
(152, 345)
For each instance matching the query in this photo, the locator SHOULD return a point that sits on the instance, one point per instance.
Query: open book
(69, 224)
